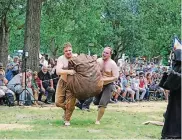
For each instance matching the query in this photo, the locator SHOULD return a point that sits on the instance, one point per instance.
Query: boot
(49, 98)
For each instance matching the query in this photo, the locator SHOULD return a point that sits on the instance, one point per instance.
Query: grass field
(121, 120)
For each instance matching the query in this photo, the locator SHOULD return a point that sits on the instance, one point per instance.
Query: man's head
(106, 54)
(141, 77)
(42, 59)
(28, 73)
(67, 50)
(128, 77)
(15, 59)
(126, 72)
(137, 77)
(44, 69)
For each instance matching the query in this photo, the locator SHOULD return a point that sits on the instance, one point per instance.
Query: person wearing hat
(172, 82)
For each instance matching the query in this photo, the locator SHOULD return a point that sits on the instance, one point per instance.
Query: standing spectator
(9, 74)
(15, 65)
(127, 87)
(17, 85)
(43, 62)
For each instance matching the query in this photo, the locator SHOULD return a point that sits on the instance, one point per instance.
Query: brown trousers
(65, 99)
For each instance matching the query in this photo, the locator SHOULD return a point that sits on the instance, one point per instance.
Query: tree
(32, 33)
(4, 30)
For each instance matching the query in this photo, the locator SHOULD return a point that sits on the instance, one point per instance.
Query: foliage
(133, 27)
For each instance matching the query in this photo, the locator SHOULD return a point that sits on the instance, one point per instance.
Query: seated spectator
(127, 87)
(17, 85)
(46, 83)
(120, 84)
(149, 83)
(36, 86)
(3, 82)
(116, 93)
(54, 75)
(135, 85)
(142, 86)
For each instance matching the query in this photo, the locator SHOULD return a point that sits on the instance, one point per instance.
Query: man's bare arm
(60, 71)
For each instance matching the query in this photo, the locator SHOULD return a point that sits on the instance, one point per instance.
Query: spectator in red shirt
(142, 86)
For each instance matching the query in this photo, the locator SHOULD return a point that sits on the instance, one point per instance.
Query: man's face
(128, 77)
(44, 70)
(29, 75)
(141, 78)
(68, 52)
(42, 58)
(106, 54)
(15, 59)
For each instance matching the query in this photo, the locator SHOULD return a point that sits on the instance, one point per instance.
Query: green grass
(118, 122)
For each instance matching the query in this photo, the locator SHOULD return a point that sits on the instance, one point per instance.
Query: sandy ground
(14, 126)
(155, 106)
(140, 106)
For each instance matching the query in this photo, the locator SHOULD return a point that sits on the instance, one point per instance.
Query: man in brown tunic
(64, 98)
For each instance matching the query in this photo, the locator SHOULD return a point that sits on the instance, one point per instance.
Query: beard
(44, 72)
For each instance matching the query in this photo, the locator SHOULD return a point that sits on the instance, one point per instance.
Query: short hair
(35, 73)
(15, 57)
(68, 44)
(107, 47)
(44, 67)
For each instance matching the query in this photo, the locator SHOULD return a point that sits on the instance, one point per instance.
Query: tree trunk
(4, 36)
(32, 33)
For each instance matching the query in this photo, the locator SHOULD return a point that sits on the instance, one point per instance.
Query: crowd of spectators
(135, 83)
(38, 84)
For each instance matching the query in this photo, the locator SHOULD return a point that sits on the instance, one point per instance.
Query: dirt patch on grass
(154, 106)
(14, 126)
(139, 106)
